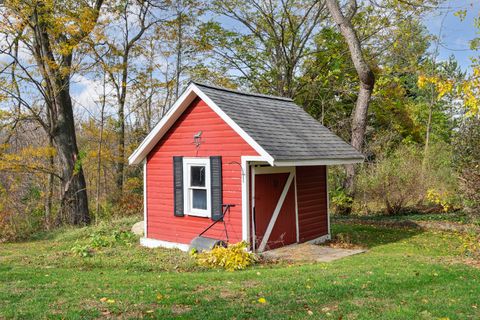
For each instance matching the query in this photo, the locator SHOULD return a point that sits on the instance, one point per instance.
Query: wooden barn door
(274, 215)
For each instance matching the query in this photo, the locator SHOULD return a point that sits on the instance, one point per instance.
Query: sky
(455, 34)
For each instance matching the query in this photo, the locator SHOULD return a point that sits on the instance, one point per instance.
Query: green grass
(406, 274)
(457, 217)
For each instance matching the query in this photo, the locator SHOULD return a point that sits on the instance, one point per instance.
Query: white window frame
(187, 189)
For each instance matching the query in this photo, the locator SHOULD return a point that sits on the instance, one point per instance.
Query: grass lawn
(456, 217)
(406, 274)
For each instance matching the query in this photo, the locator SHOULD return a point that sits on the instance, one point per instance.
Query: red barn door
(274, 219)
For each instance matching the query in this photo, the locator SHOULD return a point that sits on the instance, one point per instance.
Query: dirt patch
(307, 252)
(179, 309)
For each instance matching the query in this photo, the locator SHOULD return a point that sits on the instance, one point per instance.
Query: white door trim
(276, 212)
(246, 178)
(271, 170)
(296, 208)
(328, 201)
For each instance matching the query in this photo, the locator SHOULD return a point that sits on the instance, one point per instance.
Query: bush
(21, 211)
(339, 199)
(233, 257)
(404, 180)
(98, 240)
(467, 161)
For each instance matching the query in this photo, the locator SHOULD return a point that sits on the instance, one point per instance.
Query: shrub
(339, 199)
(81, 250)
(467, 160)
(233, 257)
(21, 210)
(98, 240)
(404, 179)
(393, 181)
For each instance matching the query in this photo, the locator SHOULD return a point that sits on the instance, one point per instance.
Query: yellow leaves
(28, 159)
(442, 86)
(262, 300)
(461, 14)
(468, 90)
(234, 257)
(107, 300)
(439, 198)
(422, 81)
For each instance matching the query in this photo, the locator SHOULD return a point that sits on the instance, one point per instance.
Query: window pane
(197, 176)
(199, 197)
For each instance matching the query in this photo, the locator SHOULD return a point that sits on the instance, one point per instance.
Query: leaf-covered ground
(406, 274)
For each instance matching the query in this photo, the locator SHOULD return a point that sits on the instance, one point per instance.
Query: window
(196, 174)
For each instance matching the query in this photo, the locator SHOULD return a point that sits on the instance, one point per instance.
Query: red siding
(218, 139)
(312, 202)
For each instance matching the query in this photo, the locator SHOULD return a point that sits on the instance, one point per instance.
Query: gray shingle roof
(280, 127)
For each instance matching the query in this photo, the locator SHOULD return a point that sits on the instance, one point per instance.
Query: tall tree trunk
(99, 156)
(74, 200)
(367, 82)
(179, 55)
(50, 186)
(56, 78)
(121, 125)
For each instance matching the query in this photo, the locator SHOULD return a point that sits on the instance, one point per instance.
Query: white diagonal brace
(276, 212)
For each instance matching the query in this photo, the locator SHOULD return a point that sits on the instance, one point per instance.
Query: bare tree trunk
(99, 156)
(74, 201)
(367, 81)
(121, 124)
(50, 186)
(179, 55)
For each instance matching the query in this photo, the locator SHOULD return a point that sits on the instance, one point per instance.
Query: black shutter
(178, 186)
(216, 187)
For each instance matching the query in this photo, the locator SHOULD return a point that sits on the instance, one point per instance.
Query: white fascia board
(319, 162)
(174, 113)
(265, 155)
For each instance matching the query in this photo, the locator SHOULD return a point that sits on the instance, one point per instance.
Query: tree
(365, 74)
(276, 38)
(50, 32)
(115, 47)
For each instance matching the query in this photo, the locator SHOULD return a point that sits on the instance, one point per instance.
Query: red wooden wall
(218, 139)
(312, 202)
(268, 188)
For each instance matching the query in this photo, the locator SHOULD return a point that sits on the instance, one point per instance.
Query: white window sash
(188, 189)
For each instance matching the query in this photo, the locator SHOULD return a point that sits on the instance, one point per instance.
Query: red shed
(256, 163)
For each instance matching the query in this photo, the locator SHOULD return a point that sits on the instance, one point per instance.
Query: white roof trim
(318, 162)
(174, 113)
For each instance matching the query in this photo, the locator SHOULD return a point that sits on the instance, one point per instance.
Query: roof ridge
(243, 93)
